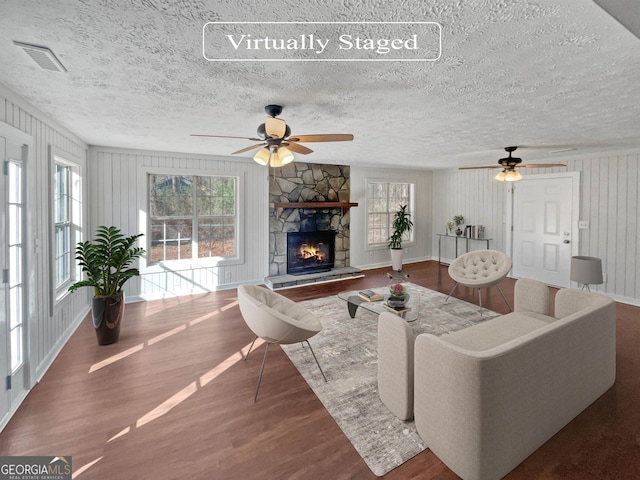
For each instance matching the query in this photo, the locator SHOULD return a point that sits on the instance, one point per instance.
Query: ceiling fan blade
(484, 166)
(295, 147)
(226, 136)
(329, 137)
(252, 147)
(542, 165)
(275, 127)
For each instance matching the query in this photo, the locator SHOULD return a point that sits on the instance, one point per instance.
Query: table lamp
(587, 271)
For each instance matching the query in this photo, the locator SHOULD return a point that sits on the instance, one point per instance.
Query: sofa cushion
(496, 331)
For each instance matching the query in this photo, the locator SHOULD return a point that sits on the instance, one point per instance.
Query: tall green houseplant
(106, 262)
(401, 225)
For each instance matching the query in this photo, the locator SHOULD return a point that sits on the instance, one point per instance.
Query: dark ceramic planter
(107, 315)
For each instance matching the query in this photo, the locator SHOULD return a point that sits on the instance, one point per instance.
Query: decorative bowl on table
(398, 301)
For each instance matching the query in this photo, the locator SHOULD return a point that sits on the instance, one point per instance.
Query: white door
(544, 235)
(12, 296)
(5, 354)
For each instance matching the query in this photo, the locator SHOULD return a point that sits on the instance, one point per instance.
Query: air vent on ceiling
(43, 56)
(562, 150)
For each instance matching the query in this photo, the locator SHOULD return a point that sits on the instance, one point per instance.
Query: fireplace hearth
(310, 252)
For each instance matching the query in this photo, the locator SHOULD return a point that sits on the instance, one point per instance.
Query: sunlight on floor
(85, 467)
(180, 396)
(159, 338)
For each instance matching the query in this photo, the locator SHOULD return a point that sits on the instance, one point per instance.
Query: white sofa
(488, 396)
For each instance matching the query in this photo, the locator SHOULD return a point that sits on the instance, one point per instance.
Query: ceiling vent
(43, 56)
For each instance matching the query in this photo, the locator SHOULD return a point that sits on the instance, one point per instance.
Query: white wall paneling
(52, 331)
(478, 198)
(608, 201)
(423, 231)
(118, 197)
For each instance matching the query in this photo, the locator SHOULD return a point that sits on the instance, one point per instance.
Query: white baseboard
(42, 368)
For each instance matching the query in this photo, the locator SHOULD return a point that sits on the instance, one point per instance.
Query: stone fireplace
(308, 198)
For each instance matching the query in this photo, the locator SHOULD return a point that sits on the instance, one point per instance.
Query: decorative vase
(107, 313)
(458, 231)
(396, 259)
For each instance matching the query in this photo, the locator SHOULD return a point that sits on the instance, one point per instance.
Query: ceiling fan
(509, 164)
(276, 142)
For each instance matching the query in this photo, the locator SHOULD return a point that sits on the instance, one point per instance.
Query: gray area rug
(347, 351)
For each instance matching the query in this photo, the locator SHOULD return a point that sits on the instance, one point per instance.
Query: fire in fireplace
(309, 252)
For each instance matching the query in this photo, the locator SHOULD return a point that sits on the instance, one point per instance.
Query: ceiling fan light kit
(509, 164)
(277, 142)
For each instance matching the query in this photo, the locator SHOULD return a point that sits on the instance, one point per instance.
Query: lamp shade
(262, 156)
(586, 270)
(275, 159)
(285, 155)
(500, 176)
(512, 176)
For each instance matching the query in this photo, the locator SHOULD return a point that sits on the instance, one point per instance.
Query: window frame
(193, 262)
(74, 205)
(383, 245)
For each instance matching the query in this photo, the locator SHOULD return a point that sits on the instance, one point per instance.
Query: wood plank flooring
(173, 400)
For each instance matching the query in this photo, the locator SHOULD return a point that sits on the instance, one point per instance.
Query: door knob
(566, 241)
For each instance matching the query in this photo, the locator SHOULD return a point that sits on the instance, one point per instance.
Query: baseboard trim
(42, 368)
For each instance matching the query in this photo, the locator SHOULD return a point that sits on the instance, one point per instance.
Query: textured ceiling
(543, 74)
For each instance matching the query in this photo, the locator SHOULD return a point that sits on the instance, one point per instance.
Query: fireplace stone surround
(310, 185)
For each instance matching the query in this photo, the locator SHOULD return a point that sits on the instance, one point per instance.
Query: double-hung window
(383, 200)
(192, 217)
(66, 219)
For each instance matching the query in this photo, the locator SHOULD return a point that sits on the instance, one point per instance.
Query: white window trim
(56, 155)
(412, 203)
(190, 263)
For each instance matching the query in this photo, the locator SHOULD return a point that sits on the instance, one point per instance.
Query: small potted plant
(106, 261)
(458, 220)
(450, 226)
(402, 224)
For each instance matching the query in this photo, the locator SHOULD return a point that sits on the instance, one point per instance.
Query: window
(66, 222)
(62, 224)
(383, 200)
(192, 217)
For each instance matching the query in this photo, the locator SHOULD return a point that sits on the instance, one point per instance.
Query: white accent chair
(480, 269)
(277, 320)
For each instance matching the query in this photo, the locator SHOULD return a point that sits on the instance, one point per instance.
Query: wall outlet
(583, 224)
(227, 275)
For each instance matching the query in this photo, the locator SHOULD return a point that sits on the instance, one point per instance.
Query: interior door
(4, 324)
(545, 213)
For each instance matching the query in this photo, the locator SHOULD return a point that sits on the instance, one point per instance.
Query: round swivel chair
(480, 269)
(277, 320)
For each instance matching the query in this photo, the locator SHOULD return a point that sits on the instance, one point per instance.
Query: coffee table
(410, 312)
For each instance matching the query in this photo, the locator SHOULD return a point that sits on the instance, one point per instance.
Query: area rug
(347, 351)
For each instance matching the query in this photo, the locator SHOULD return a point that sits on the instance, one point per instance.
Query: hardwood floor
(173, 399)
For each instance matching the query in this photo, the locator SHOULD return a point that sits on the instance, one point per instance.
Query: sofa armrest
(531, 296)
(395, 364)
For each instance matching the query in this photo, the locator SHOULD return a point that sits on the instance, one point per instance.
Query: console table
(459, 237)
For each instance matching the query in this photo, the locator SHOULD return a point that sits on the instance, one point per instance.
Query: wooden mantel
(279, 206)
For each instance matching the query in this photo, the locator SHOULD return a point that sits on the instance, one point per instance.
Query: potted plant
(401, 224)
(458, 220)
(106, 261)
(450, 226)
